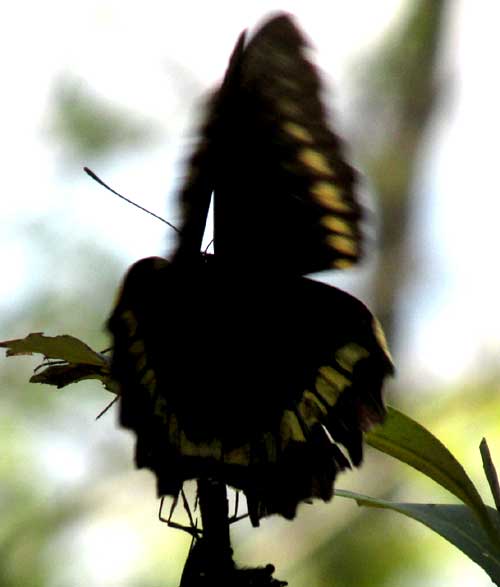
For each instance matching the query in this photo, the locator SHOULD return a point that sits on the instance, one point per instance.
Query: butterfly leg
(192, 529)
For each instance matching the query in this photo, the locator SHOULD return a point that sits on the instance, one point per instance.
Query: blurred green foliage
(86, 125)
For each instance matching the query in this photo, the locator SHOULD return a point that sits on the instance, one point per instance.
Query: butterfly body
(234, 366)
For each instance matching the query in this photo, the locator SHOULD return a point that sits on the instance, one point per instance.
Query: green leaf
(68, 360)
(64, 374)
(455, 523)
(406, 440)
(490, 472)
(63, 347)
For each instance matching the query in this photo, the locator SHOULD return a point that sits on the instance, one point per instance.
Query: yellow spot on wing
(148, 379)
(380, 336)
(140, 363)
(289, 108)
(310, 409)
(238, 456)
(298, 132)
(161, 408)
(200, 449)
(130, 322)
(327, 392)
(334, 378)
(315, 160)
(290, 428)
(342, 263)
(329, 196)
(349, 355)
(343, 244)
(137, 347)
(336, 224)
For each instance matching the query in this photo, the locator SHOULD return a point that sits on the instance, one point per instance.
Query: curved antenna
(99, 180)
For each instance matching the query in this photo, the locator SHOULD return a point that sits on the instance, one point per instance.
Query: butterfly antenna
(102, 412)
(99, 180)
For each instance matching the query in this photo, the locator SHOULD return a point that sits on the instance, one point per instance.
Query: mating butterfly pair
(234, 365)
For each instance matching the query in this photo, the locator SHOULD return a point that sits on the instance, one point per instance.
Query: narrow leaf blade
(409, 442)
(490, 472)
(455, 523)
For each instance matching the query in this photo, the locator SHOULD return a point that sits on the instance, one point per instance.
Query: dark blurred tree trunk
(399, 97)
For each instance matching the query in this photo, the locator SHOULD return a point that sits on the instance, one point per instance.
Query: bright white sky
(123, 50)
(456, 315)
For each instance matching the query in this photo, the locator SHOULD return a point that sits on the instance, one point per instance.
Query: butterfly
(235, 365)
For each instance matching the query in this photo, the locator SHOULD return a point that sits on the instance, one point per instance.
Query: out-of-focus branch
(400, 91)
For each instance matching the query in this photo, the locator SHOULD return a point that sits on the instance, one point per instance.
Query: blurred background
(117, 86)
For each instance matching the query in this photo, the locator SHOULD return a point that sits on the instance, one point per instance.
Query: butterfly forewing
(283, 192)
(202, 168)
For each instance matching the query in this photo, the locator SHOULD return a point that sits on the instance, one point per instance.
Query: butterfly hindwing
(252, 389)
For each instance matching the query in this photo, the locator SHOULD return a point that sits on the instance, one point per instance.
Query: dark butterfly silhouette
(234, 365)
